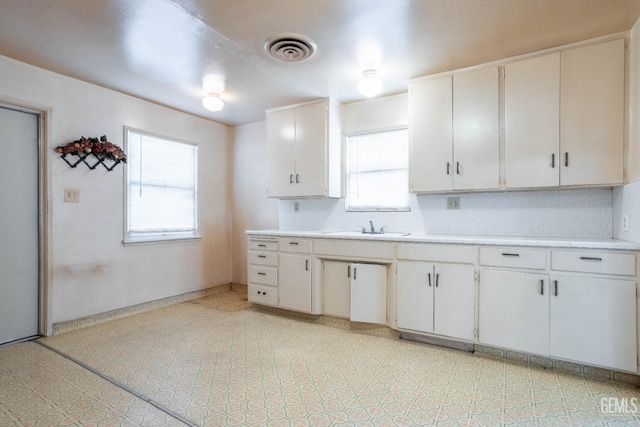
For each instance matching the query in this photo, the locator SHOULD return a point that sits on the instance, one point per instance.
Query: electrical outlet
(296, 206)
(453, 202)
(625, 222)
(71, 195)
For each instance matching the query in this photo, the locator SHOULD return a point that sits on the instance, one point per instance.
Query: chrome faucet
(372, 229)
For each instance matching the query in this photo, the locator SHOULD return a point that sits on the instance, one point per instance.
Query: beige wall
(633, 149)
(251, 209)
(90, 270)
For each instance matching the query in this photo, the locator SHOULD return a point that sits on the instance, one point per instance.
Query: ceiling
(172, 52)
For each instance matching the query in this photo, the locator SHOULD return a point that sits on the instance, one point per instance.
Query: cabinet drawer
(263, 275)
(263, 245)
(535, 259)
(594, 262)
(436, 253)
(262, 294)
(263, 258)
(295, 245)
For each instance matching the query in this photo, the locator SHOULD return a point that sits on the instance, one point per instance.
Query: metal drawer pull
(437, 277)
(510, 254)
(590, 258)
(262, 274)
(262, 293)
(566, 159)
(541, 287)
(262, 246)
(293, 243)
(262, 256)
(306, 264)
(553, 160)
(429, 276)
(555, 286)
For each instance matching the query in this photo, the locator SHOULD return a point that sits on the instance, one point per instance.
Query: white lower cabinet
(436, 298)
(294, 281)
(368, 293)
(336, 288)
(593, 320)
(514, 310)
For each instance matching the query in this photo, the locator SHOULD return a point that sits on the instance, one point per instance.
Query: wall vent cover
(290, 47)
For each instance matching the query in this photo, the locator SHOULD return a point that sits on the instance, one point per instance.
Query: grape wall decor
(104, 152)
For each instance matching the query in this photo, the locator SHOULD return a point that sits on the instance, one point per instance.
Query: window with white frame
(378, 171)
(161, 188)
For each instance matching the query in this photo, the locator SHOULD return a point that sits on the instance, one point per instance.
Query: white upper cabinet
(454, 128)
(476, 130)
(532, 122)
(304, 151)
(592, 104)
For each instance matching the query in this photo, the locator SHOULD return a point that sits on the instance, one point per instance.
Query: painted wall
(91, 272)
(251, 209)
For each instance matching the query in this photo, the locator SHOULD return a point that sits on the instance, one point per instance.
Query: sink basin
(361, 234)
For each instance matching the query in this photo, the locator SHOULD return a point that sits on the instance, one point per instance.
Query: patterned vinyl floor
(216, 361)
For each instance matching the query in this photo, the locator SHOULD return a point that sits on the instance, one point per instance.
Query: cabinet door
(592, 114)
(311, 150)
(336, 288)
(476, 138)
(369, 293)
(593, 320)
(454, 308)
(415, 282)
(532, 122)
(514, 311)
(431, 135)
(281, 134)
(294, 282)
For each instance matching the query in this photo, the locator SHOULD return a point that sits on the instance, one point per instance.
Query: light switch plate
(453, 202)
(71, 195)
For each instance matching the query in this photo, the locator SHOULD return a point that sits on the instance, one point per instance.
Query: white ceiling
(162, 50)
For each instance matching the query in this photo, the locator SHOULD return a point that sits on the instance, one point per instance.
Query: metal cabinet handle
(354, 273)
(448, 166)
(348, 271)
(553, 160)
(297, 179)
(262, 246)
(262, 274)
(566, 159)
(291, 179)
(590, 258)
(555, 288)
(294, 243)
(541, 287)
(306, 265)
(262, 256)
(458, 168)
(437, 277)
(510, 254)
(429, 277)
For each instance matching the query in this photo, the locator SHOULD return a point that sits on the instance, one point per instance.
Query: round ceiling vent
(290, 47)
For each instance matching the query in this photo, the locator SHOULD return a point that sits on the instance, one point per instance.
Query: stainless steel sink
(361, 234)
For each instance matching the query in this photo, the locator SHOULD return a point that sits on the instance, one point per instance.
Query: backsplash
(584, 213)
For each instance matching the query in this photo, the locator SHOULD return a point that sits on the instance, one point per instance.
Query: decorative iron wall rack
(91, 160)
(92, 152)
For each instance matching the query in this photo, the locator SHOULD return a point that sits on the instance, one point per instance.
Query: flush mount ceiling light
(370, 84)
(213, 102)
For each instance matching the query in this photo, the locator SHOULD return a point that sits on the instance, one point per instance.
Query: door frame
(45, 272)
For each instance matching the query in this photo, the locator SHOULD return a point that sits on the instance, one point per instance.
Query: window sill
(159, 238)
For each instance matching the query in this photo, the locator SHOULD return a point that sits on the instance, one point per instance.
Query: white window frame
(350, 208)
(137, 238)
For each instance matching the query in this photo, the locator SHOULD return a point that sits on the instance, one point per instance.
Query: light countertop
(561, 242)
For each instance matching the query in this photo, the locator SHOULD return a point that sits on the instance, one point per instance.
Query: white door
(593, 320)
(476, 130)
(281, 138)
(431, 135)
(415, 282)
(336, 288)
(294, 282)
(532, 122)
(454, 308)
(19, 229)
(592, 111)
(311, 150)
(514, 311)
(369, 293)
